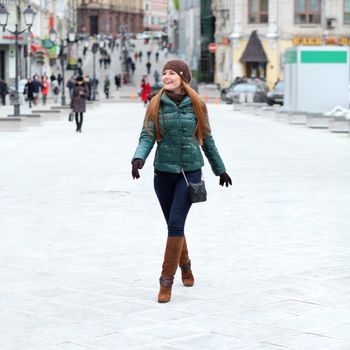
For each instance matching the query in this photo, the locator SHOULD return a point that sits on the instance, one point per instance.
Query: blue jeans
(171, 190)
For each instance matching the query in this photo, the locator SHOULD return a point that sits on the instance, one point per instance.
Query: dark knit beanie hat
(181, 68)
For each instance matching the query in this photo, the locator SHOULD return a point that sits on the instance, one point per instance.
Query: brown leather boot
(171, 262)
(185, 266)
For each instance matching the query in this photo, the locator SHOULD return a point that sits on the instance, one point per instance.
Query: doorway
(256, 69)
(93, 25)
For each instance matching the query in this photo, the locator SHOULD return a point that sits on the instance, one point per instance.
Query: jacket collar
(168, 103)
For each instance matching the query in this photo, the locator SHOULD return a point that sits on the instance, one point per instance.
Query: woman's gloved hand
(136, 165)
(225, 179)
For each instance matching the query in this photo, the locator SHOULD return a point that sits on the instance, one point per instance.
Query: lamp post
(94, 50)
(125, 53)
(29, 15)
(70, 39)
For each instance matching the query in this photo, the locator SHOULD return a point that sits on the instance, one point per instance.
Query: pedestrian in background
(157, 56)
(117, 81)
(70, 86)
(156, 76)
(78, 102)
(59, 79)
(44, 89)
(55, 90)
(29, 88)
(148, 66)
(52, 77)
(3, 91)
(106, 86)
(132, 68)
(145, 90)
(178, 155)
(36, 84)
(148, 55)
(140, 56)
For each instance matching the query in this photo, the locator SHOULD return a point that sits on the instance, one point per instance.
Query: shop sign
(47, 44)
(10, 39)
(317, 41)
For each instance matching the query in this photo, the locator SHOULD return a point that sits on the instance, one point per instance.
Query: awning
(254, 51)
(35, 48)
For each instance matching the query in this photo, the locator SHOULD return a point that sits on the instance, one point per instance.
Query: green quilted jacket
(179, 148)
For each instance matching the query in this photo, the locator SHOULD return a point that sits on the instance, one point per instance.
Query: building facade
(106, 16)
(173, 24)
(277, 25)
(155, 14)
(196, 28)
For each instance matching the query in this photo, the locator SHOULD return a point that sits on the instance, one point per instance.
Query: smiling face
(171, 80)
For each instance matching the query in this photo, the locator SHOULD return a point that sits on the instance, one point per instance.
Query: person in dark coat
(106, 86)
(148, 66)
(52, 77)
(29, 88)
(59, 79)
(117, 81)
(36, 84)
(3, 91)
(78, 102)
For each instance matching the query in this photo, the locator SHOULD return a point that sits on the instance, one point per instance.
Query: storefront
(254, 58)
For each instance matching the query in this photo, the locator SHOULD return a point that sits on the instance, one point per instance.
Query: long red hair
(199, 109)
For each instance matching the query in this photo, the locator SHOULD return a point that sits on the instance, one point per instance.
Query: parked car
(251, 91)
(238, 80)
(276, 95)
(224, 91)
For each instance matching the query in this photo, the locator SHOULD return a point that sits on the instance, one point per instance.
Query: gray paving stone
(82, 243)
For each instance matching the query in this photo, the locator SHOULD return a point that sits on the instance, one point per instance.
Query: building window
(258, 11)
(307, 11)
(346, 11)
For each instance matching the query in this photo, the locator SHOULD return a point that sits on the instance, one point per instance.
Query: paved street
(82, 243)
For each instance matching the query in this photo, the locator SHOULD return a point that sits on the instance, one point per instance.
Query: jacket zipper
(180, 144)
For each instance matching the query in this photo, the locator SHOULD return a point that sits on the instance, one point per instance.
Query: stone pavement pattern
(82, 243)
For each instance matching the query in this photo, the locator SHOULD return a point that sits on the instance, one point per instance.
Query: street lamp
(29, 15)
(70, 39)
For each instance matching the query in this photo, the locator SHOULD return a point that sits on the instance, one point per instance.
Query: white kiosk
(316, 78)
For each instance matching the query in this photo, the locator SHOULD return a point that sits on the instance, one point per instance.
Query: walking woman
(44, 89)
(177, 120)
(78, 101)
(145, 90)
